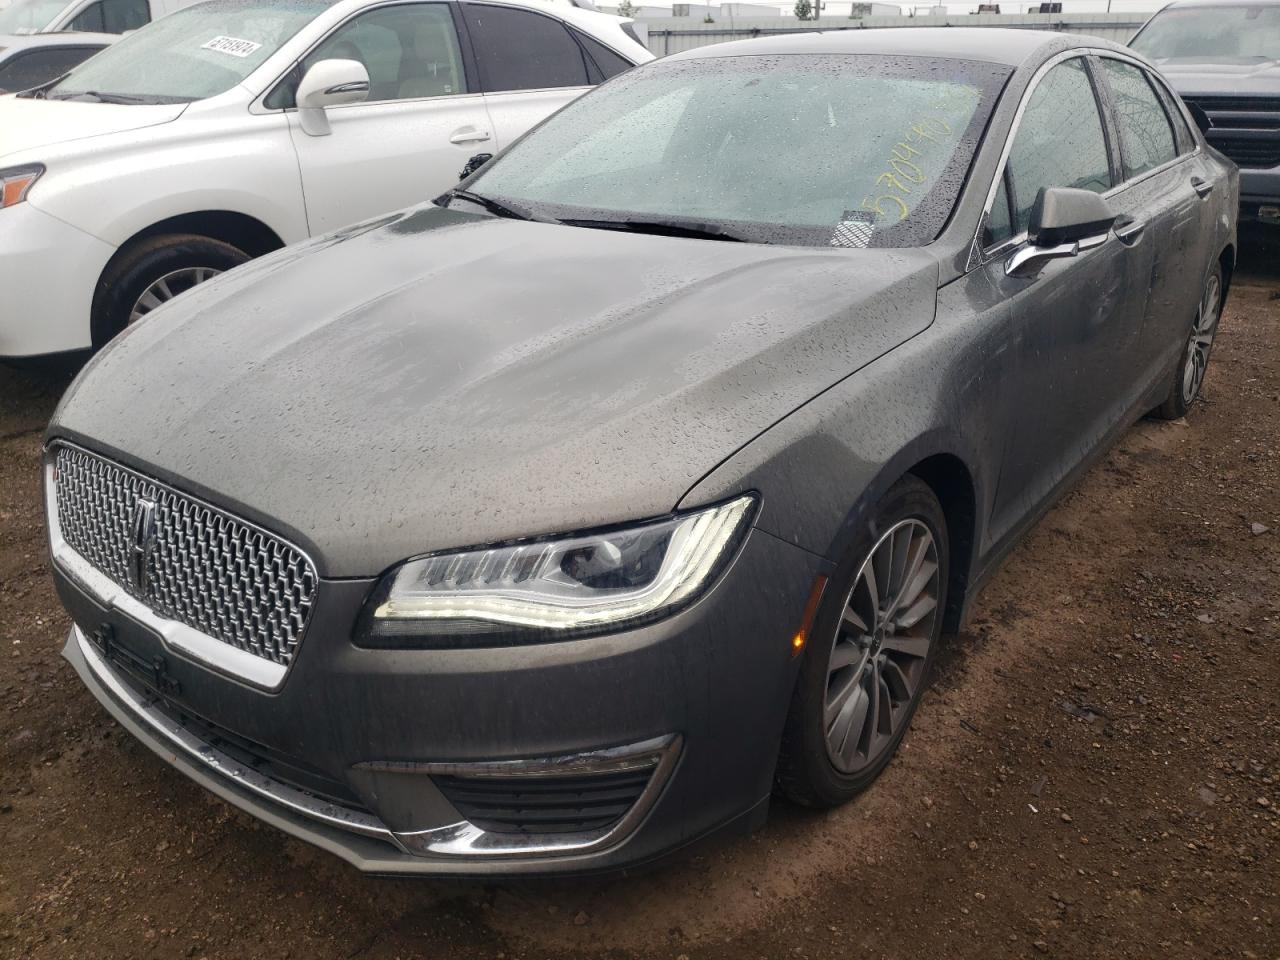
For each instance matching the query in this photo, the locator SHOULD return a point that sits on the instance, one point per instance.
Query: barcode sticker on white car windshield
(232, 46)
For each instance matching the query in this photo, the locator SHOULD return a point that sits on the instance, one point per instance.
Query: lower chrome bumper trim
(462, 839)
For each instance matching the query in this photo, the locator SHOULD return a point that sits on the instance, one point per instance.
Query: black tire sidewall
(135, 269)
(805, 771)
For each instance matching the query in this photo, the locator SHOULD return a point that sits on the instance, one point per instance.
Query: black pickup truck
(1223, 57)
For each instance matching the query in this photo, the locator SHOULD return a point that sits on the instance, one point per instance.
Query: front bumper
(48, 271)
(700, 698)
(1260, 194)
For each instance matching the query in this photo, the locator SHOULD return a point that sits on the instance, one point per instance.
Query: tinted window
(1146, 139)
(1000, 224)
(410, 52)
(608, 63)
(1060, 142)
(27, 70)
(519, 50)
(113, 16)
(812, 150)
(1173, 109)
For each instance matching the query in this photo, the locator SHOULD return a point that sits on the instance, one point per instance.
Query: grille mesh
(208, 570)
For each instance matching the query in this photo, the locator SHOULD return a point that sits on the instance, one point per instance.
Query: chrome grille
(219, 575)
(1246, 129)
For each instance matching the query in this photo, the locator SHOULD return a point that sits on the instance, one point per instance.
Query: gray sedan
(570, 518)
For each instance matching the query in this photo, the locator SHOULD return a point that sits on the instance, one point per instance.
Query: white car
(94, 16)
(234, 127)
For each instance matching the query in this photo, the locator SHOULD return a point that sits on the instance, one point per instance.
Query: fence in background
(680, 33)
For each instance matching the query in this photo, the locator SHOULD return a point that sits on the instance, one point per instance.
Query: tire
(1188, 375)
(812, 771)
(138, 268)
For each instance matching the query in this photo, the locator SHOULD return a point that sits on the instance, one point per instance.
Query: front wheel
(152, 272)
(1188, 377)
(867, 662)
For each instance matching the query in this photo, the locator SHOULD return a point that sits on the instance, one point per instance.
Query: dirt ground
(1095, 773)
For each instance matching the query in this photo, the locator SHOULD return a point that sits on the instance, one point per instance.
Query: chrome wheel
(1200, 343)
(878, 655)
(168, 287)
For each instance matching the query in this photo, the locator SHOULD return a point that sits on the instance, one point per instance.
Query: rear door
(408, 141)
(1163, 182)
(1069, 323)
(530, 65)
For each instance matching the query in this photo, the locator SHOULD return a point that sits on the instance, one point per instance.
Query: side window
(1173, 109)
(112, 16)
(607, 63)
(1146, 139)
(999, 227)
(28, 70)
(1059, 142)
(410, 51)
(522, 50)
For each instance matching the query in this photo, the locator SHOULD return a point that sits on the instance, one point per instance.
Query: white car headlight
(555, 588)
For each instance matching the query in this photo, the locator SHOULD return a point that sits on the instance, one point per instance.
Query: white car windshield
(189, 55)
(854, 150)
(1219, 32)
(29, 16)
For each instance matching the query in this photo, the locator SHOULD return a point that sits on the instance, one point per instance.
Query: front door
(1071, 325)
(415, 132)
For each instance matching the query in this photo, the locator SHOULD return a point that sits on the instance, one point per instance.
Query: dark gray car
(1223, 57)
(555, 525)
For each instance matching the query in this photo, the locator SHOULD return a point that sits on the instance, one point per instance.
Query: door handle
(1129, 230)
(1201, 186)
(471, 135)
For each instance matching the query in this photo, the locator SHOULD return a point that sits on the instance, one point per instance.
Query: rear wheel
(1188, 377)
(868, 660)
(152, 272)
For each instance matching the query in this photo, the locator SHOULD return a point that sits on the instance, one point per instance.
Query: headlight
(16, 181)
(542, 590)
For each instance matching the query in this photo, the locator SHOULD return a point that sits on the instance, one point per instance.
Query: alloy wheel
(168, 287)
(1200, 343)
(879, 653)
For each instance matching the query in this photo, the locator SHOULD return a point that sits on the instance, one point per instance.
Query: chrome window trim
(177, 637)
(462, 839)
(258, 104)
(979, 255)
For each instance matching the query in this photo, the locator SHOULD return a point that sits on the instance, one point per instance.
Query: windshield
(831, 149)
(189, 55)
(29, 16)
(1233, 33)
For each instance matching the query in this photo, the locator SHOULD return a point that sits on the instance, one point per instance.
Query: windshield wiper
(95, 95)
(663, 228)
(499, 208)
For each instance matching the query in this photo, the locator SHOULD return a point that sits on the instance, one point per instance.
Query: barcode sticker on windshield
(231, 46)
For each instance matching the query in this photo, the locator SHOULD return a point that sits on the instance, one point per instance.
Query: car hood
(27, 125)
(1222, 75)
(445, 380)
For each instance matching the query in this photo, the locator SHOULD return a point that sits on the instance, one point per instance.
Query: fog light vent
(551, 804)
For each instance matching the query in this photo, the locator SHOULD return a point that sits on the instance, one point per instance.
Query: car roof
(11, 43)
(994, 44)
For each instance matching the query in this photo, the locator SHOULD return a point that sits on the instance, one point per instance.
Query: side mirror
(1199, 116)
(1064, 221)
(329, 83)
(474, 164)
